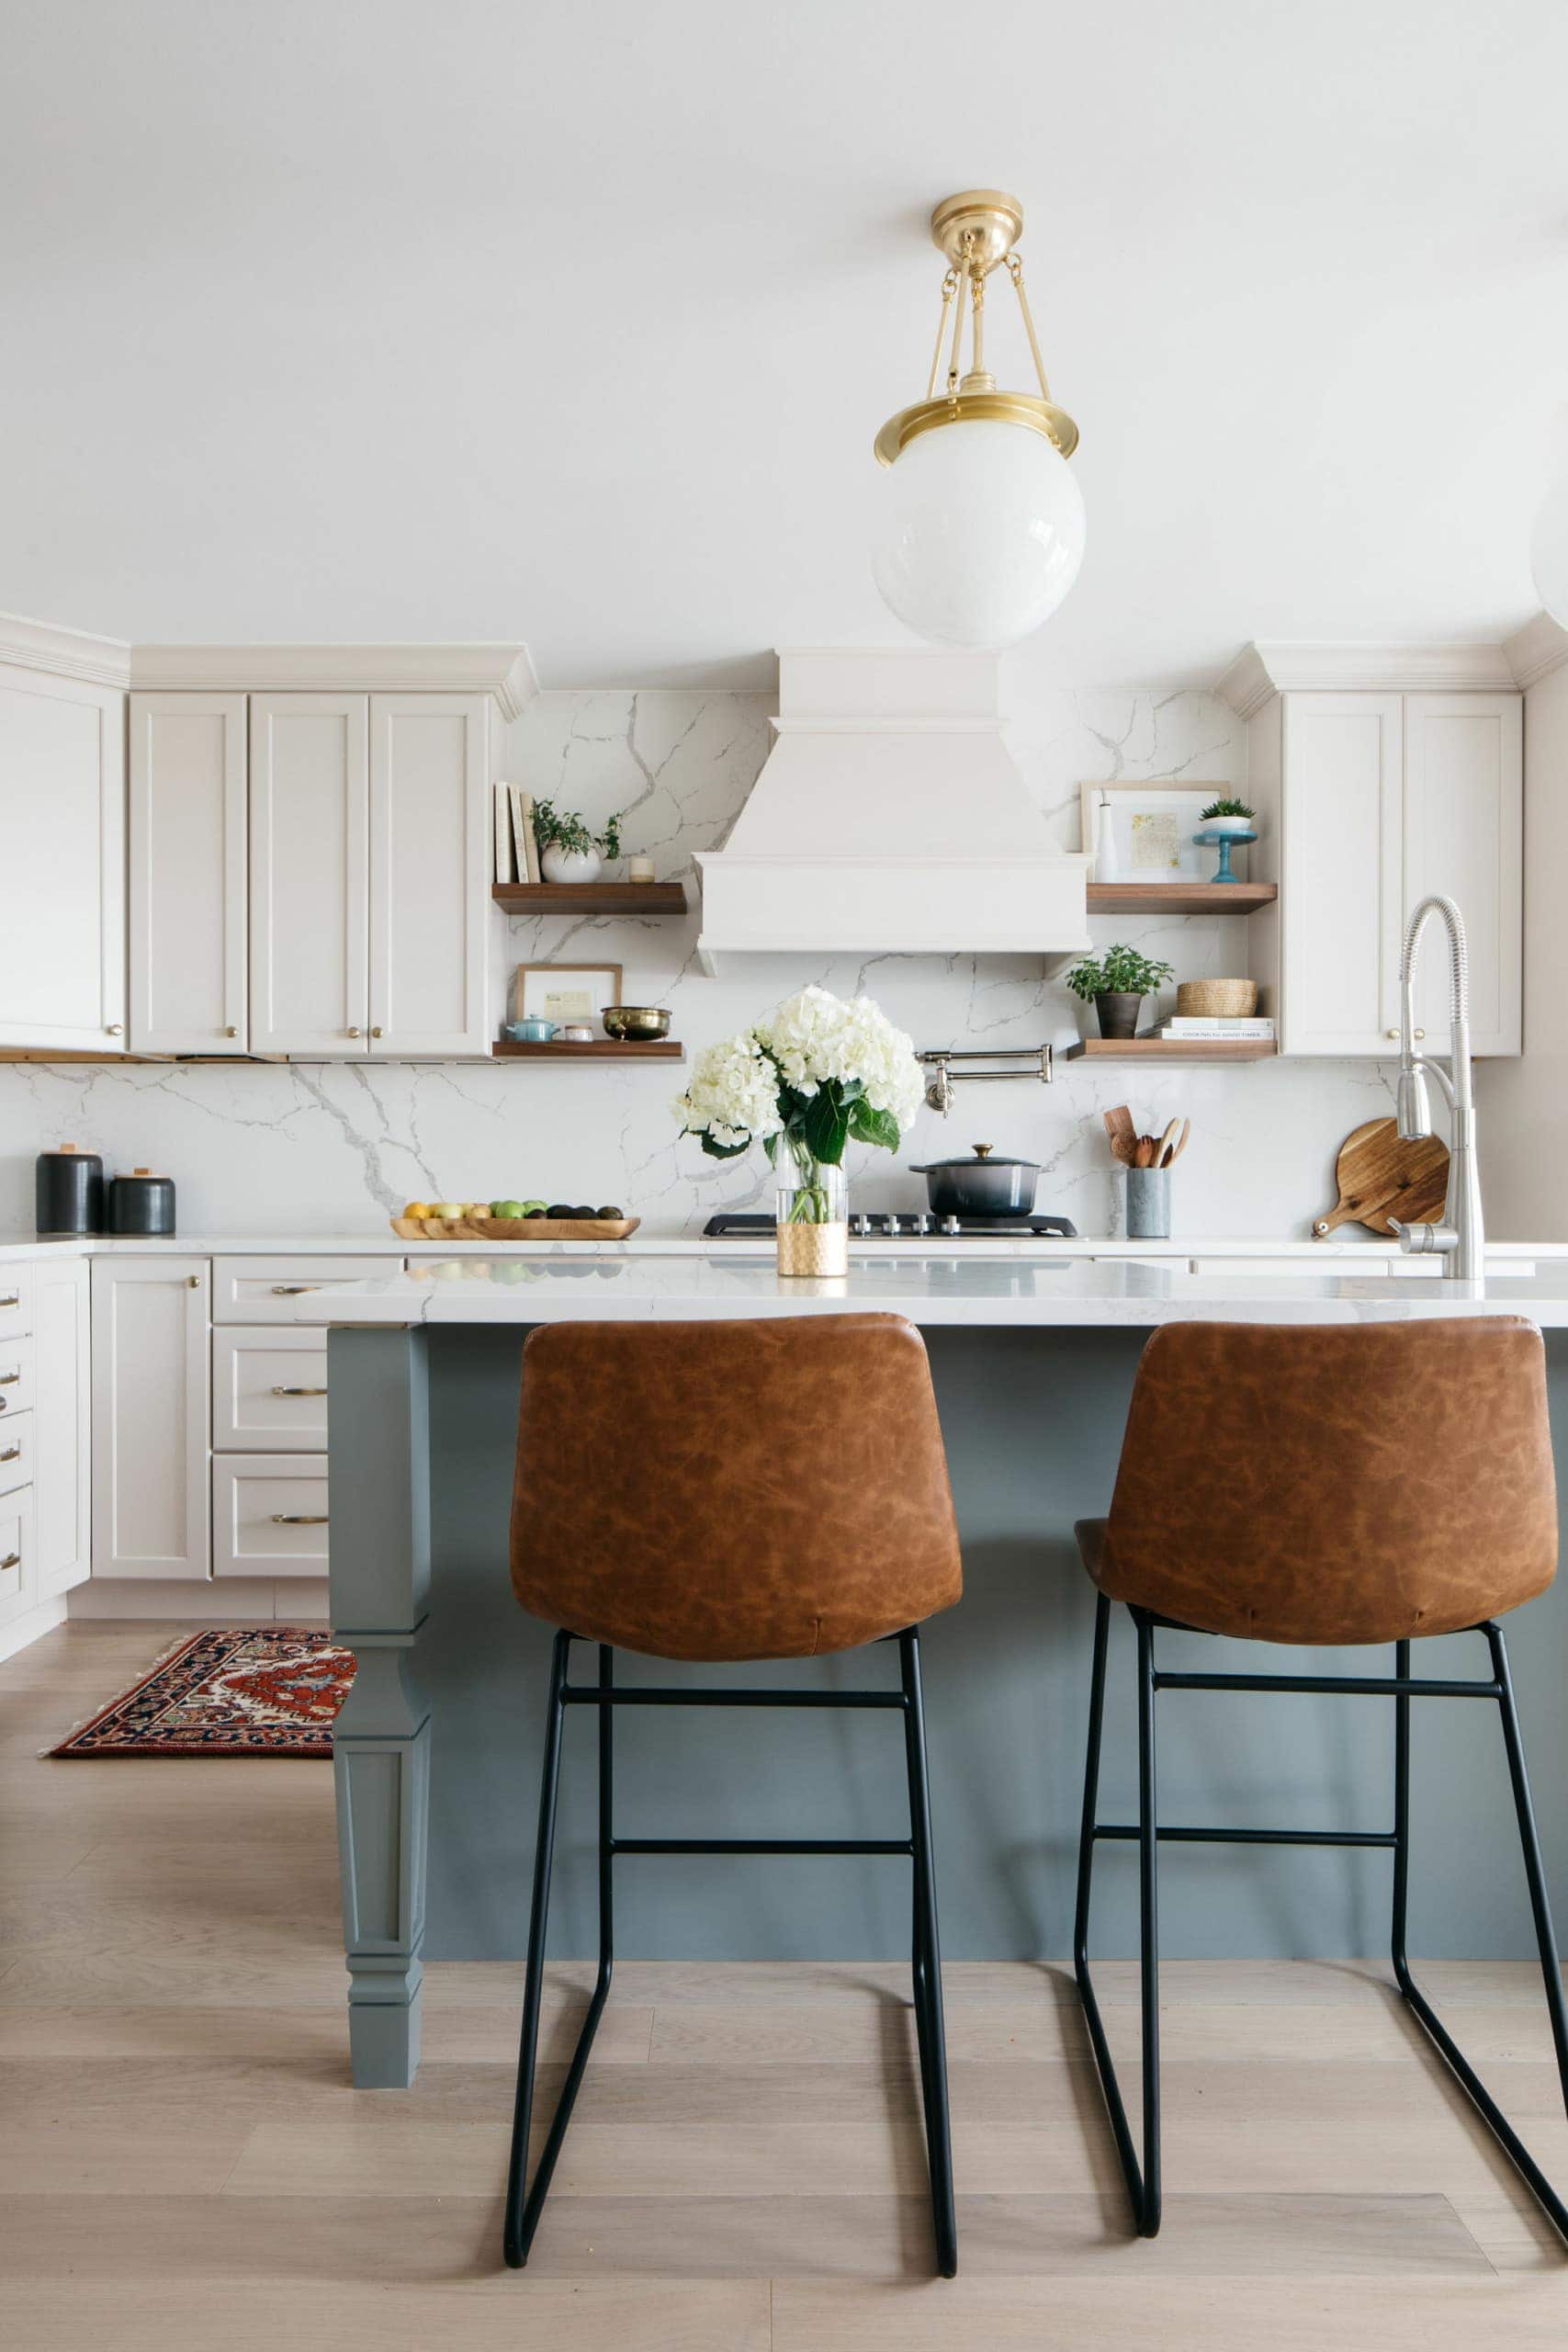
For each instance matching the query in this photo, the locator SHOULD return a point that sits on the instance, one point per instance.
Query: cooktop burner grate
(902, 1224)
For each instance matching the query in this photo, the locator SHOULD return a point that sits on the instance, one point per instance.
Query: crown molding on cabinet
(1273, 667)
(1535, 650)
(504, 671)
(64, 652)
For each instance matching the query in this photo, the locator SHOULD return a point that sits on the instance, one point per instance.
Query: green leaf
(867, 1125)
(771, 1146)
(825, 1126)
(722, 1150)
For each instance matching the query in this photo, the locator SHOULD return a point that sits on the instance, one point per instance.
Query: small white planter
(1227, 824)
(557, 865)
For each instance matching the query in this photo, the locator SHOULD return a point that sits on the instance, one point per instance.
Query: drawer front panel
(269, 1515)
(270, 1390)
(273, 1290)
(16, 1378)
(15, 1300)
(15, 1452)
(18, 1574)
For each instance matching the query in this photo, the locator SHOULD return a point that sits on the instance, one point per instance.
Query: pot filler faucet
(1460, 1241)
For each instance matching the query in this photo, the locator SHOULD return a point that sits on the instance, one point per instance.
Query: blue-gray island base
(438, 1746)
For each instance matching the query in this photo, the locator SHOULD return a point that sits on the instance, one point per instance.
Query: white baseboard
(234, 1600)
(23, 1631)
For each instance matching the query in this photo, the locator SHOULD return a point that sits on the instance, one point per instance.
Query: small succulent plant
(1227, 805)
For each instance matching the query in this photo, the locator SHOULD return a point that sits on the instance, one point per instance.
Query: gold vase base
(814, 1248)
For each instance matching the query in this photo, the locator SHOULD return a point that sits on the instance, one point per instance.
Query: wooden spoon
(1122, 1150)
(1164, 1150)
(1120, 1123)
(1179, 1145)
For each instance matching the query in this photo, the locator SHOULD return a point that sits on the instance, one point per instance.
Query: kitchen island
(437, 1747)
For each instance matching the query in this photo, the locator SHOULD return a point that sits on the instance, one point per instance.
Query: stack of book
(1254, 1030)
(516, 850)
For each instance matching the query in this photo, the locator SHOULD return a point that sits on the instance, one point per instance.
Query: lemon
(419, 1208)
(447, 1209)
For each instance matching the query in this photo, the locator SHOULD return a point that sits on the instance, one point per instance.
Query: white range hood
(889, 818)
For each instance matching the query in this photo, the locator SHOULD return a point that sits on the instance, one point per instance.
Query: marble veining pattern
(308, 1147)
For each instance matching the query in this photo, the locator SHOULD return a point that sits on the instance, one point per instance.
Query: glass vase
(811, 1212)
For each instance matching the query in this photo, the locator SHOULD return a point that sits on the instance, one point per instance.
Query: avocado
(612, 1215)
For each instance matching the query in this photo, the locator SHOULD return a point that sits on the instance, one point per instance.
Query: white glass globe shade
(1549, 552)
(981, 532)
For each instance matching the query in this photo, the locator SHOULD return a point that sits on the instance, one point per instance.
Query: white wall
(315, 1148)
(1522, 1107)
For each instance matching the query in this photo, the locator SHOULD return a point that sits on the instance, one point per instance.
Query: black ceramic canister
(68, 1191)
(141, 1202)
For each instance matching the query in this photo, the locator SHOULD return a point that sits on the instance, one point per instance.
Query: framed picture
(1152, 825)
(563, 992)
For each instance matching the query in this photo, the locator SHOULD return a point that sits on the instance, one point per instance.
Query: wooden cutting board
(1381, 1179)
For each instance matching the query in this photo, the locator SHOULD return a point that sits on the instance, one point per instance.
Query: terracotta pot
(1117, 1011)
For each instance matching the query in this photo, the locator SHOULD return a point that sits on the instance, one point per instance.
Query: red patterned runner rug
(235, 1690)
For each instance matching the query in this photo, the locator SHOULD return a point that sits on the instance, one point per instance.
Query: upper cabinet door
(430, 868)
(1340, 865)
(309, 874)
(61, 862)
(187, 897)
(1464, 837)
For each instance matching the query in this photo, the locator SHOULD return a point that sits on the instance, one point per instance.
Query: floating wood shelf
(596, 1049)
(591, 898)
(1180, 898)
(1174, 1049)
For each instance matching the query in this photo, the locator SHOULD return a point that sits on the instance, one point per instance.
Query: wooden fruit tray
(515, 1228)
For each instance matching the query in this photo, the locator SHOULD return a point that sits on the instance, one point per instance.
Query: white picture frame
(563, 992)
(1153, 822)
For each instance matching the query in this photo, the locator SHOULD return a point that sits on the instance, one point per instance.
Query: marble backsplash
(317, 1148)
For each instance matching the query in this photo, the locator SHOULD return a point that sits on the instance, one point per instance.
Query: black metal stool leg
(519, 2231)
(925, 1966)
(1492, 2115)
(1143, 2184)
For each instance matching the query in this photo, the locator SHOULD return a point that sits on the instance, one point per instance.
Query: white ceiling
(421, 319)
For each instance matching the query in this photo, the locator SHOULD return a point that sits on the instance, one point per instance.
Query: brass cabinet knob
(1419, 1035)
(375, 1033)
(354, 1033)
(1393, 1034)
(230, 1031)
(113, 1030)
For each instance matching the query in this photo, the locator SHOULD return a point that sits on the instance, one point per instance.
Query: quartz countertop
(930, 1289)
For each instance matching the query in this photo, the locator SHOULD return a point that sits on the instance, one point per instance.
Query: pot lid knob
(982, 1150)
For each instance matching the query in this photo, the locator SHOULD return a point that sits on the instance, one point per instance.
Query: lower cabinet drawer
(16, 1378)
(269, 1515)
(15, 1452)
(270, 1390)
(18, 1569)
(269, 1290)
(16, 1299)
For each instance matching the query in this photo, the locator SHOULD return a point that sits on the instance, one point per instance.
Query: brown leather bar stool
(730, 1490)
(1323, 1484)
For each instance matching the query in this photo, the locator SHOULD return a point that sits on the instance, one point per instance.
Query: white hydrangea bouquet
(813, 1077)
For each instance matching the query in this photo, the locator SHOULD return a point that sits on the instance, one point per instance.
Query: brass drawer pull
(11, 1560)
(14, 1299)
(9, 1379)
(298, 1392)
(292, 1290)
(298, 1519)
(11, 1453)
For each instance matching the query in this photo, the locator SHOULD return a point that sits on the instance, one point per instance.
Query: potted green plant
(1227, 815)
(1116, 985)
(569, 852)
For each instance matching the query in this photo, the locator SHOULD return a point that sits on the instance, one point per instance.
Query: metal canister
(68, 1191)
(141, 1202)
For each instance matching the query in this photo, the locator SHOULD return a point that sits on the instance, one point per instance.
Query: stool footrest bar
(587, 1695)
(761, 1845)
(1379, 1686)
(1129, 1829)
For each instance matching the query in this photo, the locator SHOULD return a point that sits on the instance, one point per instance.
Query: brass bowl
(633, 1025)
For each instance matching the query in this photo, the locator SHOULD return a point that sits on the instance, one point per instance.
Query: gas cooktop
(899, 1225)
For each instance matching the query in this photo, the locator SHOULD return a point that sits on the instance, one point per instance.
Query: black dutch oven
(980, 1186)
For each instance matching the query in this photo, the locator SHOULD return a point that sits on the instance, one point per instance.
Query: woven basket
(1216, 1000)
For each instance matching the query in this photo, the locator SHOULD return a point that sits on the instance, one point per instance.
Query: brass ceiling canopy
(978, 231)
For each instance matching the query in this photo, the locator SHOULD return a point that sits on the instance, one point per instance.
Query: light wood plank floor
(185, 2166)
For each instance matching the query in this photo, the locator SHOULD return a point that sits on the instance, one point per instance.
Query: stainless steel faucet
(1461, 1239)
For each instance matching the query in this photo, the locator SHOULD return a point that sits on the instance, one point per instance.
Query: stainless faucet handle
(1425, 1240)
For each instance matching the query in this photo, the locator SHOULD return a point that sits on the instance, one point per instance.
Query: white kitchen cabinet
(62, 1424)
(1464, 836)
(18, 1566)
(269, 1515)
(309, 879)
(430, 868)
(187, 910)
(270, 1390)
(61, 862)
(151, 1416)
(1367, 803)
